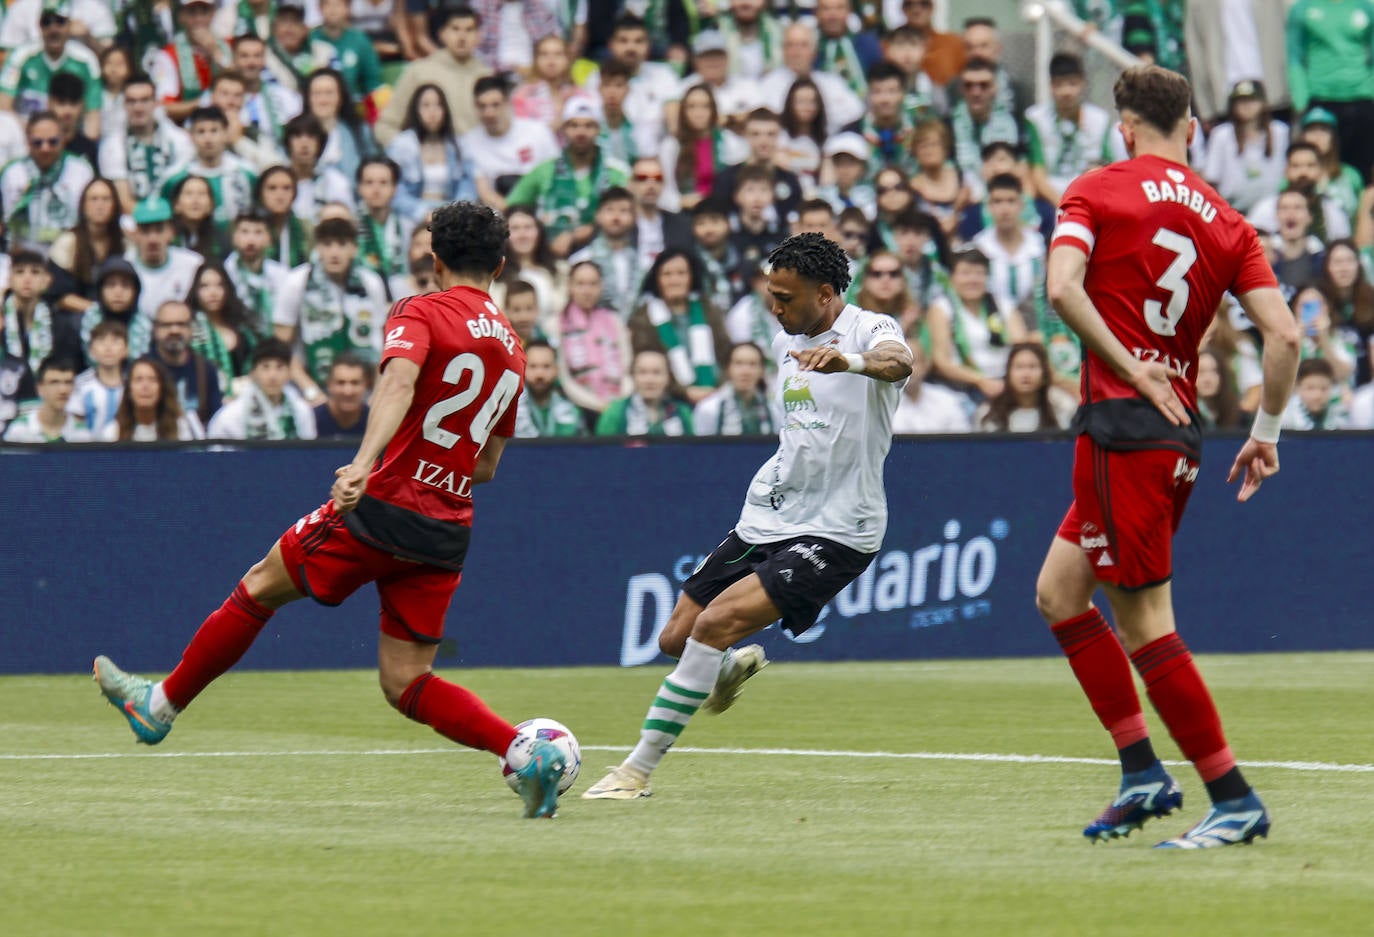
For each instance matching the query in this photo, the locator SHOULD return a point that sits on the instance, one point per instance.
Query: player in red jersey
(1138, 263)
(400, 513)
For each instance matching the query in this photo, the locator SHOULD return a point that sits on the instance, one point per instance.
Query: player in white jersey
(814, 515)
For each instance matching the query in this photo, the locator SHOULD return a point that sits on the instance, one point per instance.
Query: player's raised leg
(1180, 696)
(738, 665)
(221, 640)
(1064, 594)
(742, 609)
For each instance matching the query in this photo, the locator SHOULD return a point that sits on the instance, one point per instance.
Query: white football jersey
(826, 478)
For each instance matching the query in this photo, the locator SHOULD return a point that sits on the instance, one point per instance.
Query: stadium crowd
(209, 208)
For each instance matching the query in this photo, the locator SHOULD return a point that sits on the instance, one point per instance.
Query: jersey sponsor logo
(796, 394)
(1185, 471)
(438, 476)
(1164, 358)
(1164, 191)
(394, 340)
(813, 553)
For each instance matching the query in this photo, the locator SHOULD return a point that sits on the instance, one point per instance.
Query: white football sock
(160, 706)
(678, 699)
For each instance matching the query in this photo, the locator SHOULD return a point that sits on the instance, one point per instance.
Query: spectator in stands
(77, 252)
(543, 410)
(540, 98)
(800, 47)
(149, 152)
(316, 184)
(754, 230)
(454, 68)
(886, 126)
(720, 260)
(1316, 403)
(503, 147)
(193, 222)
(31, 329)
(700, 149)
(149, 410)
(164, 270)
(231, 179)
(289, 238)
(1246, 153)
(893, 189)
(982, 116)
(1068, 136)
(983, 40)
(220, 329)
(734, 96)
(656, 227)
(815, 215)
(1015, 252)
(50, 421)
(1338, 181)
(251, 18)
(267, 104)
(593, 343)
(925, 407)
(240, 140)
(855, 232)
(91, 22)
(762, 131)
(349, 139)
(116, 68)
(846, 54)
(944, 51)
(382, 233)
(1329, 66)
(970, 334)
(41, 193)
(652, 96)
(922, 97)
(938, 183)
(650, 410)
(1218, 402)
(30, 69)
(1313, 314)
(98, 389)
(1303, 172)
(331, 305)
(614, 252)
(620, 138)
(117, 291)
(1296, 255)
(506, 51)
(803, 132)
(1230, 41)
(1027, 401)
(257, 279)
(740, 406)
(529, 258)
(920, 245)
(196, 380)
(344, 412)
(883, 288)
(16, 384)
(521, 306)
(183, 68)
(1002, 159)
(67, 101)
(434, 171)
(564, 190)
(753, 38)
(847, 155)
(266, 407)
(676, 319)
(1350, 297)
(292, 55)
(351, 52)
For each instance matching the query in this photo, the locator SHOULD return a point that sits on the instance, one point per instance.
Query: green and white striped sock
(681, 695)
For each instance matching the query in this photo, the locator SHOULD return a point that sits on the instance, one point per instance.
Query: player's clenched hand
(1256, 461)
(827, 359)
(1154, 382)
(349, 484)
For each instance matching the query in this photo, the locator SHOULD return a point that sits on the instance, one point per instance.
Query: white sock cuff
(698, 667)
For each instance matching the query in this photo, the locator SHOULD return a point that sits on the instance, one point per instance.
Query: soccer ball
(548, 730)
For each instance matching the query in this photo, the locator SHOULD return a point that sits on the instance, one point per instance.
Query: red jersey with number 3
(1162, 248)
(472, 369)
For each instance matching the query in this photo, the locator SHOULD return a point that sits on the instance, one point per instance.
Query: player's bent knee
(394, 684)
(1056, 605)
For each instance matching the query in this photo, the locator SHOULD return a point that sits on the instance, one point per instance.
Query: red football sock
(221, 641)
(1100, 664)
(1181, 698)
(456, 713)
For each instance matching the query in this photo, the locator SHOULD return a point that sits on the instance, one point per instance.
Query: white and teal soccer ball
(548, 730)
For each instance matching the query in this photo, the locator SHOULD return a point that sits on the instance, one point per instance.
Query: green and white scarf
(254, 291)
(191, 88)
(889, 146)
(209, 344)
(148, 162)
(558, 418)
(247, 21)
(292, 245)
(621, 299)
(379, 245)
(770, 37)
(39, 333)
(567, 202)
(839, 57)
(694, 365)
(716, 273)
(53, 214)
(264, 420)
(749, 417)
(334, 320)
(619, 143)
(641, 421)
(970, 137)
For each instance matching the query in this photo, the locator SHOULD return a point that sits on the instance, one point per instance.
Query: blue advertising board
(579, 549)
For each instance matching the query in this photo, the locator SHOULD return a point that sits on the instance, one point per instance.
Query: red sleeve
(1254, 272)
(407, 334)
(1077, 227)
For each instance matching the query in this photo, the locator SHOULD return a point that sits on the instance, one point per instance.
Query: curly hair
(470, 238)
(814, 257)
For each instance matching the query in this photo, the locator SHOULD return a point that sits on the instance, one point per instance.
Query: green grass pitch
(299, 804)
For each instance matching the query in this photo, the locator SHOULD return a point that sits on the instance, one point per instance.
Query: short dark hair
(1066, 65)
(614, 68)
(349, 359)
(971, 255)
(764, 115)
(616, 193)
(445, 14)
(498, 82)
(140, 78)
(1299, 146)
(999, 146)
(750, 173)
(628, 22)
(270, 349)
(55, 362)
(1316, 367)
(534, 343)
(249, 36)
(816, 204)
(883, 70)
(814, 257)
(37, 117)
(110, 327)
(1158, 96)
(987, 21)
(333, 230)
(228, 74)
(906, 33)
(912, 218)
(305, 124)
(67, 88)
(386, 161)
(469, 237)
(712, 206)
(1005, 180)
(979, 64)
(27, 258)
(253, 215)
(207, 114)
(520, 288)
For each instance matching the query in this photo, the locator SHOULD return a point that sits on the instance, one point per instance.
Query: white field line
(794, 752)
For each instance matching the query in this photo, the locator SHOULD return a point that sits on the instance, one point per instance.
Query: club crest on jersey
(1164, 191)
(796, 394)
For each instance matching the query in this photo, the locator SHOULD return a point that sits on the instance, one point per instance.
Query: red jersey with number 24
(1162, 248)
(472, 368)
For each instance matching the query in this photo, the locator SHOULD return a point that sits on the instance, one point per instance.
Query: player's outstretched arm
(1065, 272)
(885, 361)
(390, 402)
(1258, 459)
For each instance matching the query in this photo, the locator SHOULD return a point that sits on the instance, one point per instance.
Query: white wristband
(1267, 426)
(856, 363)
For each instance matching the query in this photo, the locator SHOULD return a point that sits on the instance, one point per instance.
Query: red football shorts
(1126, 508)
(328, 563)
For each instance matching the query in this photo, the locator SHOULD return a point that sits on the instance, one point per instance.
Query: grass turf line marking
(804, 752)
